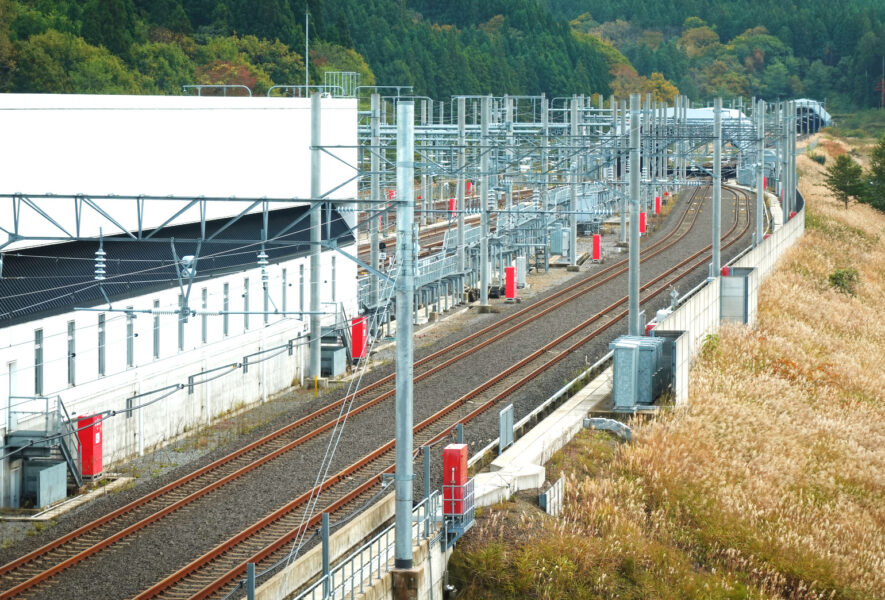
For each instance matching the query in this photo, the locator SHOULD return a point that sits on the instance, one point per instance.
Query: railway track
(227, 563)
(30, 572)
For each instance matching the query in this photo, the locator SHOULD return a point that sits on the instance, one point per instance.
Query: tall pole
(635, 168)
(484, 205)
(622, 170)
(760, 168)
(545, 154)
(462, 165)
(405, 291)
(306, 53)
(612, 152)
(573, 186)
(426, 200)
(315, 234)
(375, 191)
(717, 182)
(792, 126)
(508, 123)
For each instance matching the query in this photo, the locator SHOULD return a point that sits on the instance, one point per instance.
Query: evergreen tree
(6, 51)
(63, 63)
(845, 178)
(874, 193)
(110, 23)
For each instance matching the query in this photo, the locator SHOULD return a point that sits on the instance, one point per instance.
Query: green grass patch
(839, 231)
(862, 124)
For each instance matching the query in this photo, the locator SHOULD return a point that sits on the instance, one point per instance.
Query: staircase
(41, 430)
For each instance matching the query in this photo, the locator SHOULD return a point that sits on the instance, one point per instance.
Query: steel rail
(239, 472)
(237, 571)
(171, 487)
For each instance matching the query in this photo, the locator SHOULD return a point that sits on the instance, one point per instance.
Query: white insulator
(262, 262)
(100, 264)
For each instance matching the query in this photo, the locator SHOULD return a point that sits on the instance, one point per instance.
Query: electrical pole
(316, 234)
(717, 183)
(484, 205)
(760, 169)
(405, 292)
(635, 168)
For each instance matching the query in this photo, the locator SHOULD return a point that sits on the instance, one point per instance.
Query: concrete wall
(430, 560)
(699, 315)
(341, 542)
(127, 434)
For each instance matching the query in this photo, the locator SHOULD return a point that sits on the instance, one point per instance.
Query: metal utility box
(737, 298)
(650, 375)
(13, 484)
(454, 478)
(639, 374)
(333, 360)
(674, 363)
(556, 239)
(625, 364)
(90, 435)
(44, 482)
(455, 464)
(359, 338)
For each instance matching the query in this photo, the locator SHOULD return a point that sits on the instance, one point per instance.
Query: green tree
(7, 63)
(165, 66)
(55, 62)
(818, 80)
(332, 57)
(874, 193)
(845, 178)
(282, 65)
(110, 23)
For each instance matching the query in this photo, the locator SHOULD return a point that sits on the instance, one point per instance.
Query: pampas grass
(771, 484)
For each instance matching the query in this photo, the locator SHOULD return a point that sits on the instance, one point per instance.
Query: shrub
(845, 280)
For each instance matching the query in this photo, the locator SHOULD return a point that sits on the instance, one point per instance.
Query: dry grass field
(770, 485)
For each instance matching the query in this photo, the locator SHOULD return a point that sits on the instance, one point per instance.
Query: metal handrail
(372, 560)
(199, 87)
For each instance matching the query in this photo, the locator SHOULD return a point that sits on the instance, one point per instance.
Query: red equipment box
(510, 282)
(454, 478)
(358, 337)
(597, 247)
(90, 445)
(642, 222)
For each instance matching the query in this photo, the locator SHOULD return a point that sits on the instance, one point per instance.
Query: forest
(819, 49)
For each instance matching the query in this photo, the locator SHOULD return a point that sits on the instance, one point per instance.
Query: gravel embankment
(124, 570)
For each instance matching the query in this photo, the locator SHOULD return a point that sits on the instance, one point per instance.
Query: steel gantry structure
(537, 167)
(542, 166)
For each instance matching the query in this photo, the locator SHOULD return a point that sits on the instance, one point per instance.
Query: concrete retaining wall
(699, 315)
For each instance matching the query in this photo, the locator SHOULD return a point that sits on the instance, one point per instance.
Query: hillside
(770, 485)
(829, 51)
(766, 48)
(155, 46)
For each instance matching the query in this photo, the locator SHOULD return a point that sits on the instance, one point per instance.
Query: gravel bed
(132, 566)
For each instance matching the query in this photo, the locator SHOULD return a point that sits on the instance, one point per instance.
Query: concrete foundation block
(321, 383)
(405, 583)
(498, 486)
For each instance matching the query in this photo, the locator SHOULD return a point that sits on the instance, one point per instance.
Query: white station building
(159, 180)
